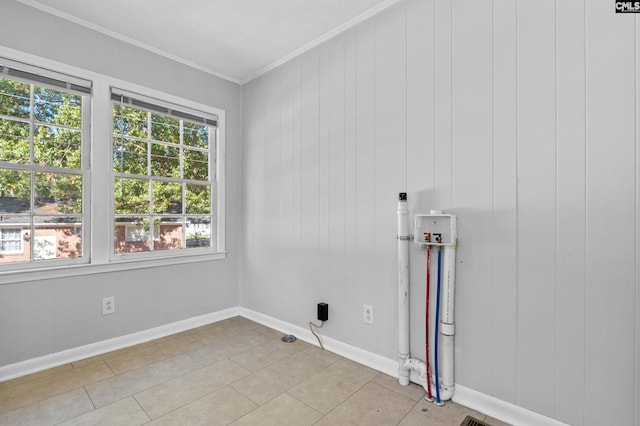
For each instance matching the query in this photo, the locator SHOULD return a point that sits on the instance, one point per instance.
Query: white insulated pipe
(406, 364)
(403, 290)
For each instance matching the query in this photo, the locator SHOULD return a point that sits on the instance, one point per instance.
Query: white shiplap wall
(520, 117)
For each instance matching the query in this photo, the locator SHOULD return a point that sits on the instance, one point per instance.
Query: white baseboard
(500, 409)
(486, 404)
(34, 365)
(377, 362)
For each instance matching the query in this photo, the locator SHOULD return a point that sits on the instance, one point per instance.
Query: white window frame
(32, 72)
(98, 240)
(216, 175)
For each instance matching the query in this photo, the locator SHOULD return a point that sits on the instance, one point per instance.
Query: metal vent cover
(472, 421)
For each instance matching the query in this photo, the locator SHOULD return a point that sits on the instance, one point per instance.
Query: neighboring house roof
(13, 205)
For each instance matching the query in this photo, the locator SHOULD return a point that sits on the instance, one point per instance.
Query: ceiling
(234, 39)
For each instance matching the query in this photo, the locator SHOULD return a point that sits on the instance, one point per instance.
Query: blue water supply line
(438, 401)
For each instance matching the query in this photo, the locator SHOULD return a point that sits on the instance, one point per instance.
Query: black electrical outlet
(323, 311)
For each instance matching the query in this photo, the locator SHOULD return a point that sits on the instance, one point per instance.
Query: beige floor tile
(231, 346)
(371, 405)
(411, 391)
(118, 387)
(35, 376)
(266, 354)
(175, 393)
(218, 408)
(51, 410)
(124, 412)
(326, 389)
(281, 411)
(324, 355)
(183, 342)
(494, 422)
(51, 385)
(113, 354)
(155, 351)
(425, 412)
(271, 381)
(222, 330)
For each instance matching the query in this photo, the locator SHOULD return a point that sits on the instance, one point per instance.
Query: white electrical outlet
(108, 305)
(367, 314)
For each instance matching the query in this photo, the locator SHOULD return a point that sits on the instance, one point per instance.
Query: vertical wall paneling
(536, 205)
(637, 253)
(310, 179)
(504, 217)
(442, 152)
(324, 157)
(570, 213)
(351, 174)
(610, 209)
(520, 117)
(337, 170)
(271, 186)
(472, 199)
(420, 146)
(256, 236)
(296, 81)
(365, 166)
(390, 149)
(288, 211)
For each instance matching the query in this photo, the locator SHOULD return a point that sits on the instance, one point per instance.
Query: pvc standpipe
(406, 364)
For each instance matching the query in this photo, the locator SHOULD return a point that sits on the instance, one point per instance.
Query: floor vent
(471, 421)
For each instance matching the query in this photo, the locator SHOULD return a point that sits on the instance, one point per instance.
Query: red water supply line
(426, 320)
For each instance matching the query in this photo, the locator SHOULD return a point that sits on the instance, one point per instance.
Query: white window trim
(218, 183)
(57, 71)
(99, 239)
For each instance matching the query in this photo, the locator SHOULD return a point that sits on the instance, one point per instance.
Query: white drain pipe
(406, 364)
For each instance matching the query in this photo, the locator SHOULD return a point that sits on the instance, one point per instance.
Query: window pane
(130, 121)
(198, 199)
(165, 129)
(15, 191)
(58, 193)
(198, 232)
(165, 160)
(57, 237)
(57, 147)
(129, 156)
(196, 165)
(54, 107)
(168, 235)
(14, 141)
(195, 135)
(131, 234)
(14, 98)
(167, 197)
(131, 196)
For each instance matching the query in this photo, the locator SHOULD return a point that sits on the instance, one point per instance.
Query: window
(11, 240)
(44, 127)
(164, 168)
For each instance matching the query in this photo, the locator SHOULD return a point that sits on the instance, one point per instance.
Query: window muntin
(44, 125)
(164, 169)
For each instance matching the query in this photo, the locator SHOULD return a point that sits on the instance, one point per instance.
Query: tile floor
(232, 372)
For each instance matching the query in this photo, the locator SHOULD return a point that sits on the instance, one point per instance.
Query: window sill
(17, 276)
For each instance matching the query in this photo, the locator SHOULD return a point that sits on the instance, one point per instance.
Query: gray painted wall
(47, 316)
(519, 117)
